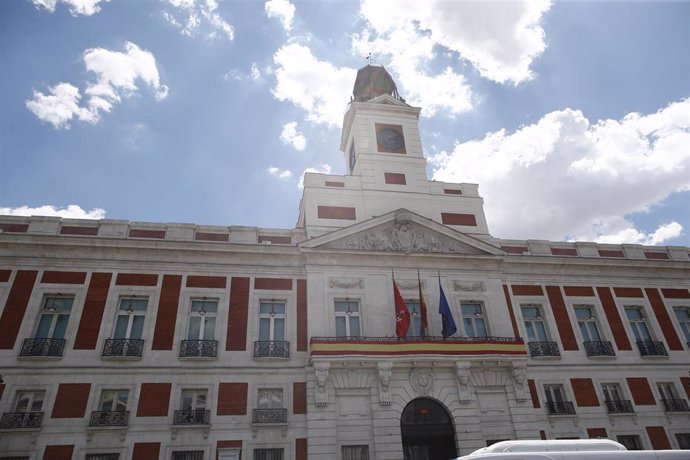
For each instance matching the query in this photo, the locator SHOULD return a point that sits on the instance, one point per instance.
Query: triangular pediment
(402, 231)
(386, 99)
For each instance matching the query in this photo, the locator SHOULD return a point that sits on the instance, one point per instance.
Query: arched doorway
(427, 431)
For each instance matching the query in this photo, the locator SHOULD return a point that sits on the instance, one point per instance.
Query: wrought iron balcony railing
(199, 349)
(192, 417)
(42, 347)
(676, 405)
(11, 420)
(560, 408)
(599, 349)
(126, 348)
(109, 418)
(269, 416)
(651, 348)
(271, 349)
(620, 406)
(539, 349)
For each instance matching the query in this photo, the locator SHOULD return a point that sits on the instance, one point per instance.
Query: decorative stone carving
(403, 235)
(520, 381)
(321, 371)
(469, 286)
(422, 380)
(462, 371)
(385, 369)
(408, 285)
(345, 283)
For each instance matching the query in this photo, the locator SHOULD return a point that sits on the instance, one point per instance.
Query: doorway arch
(427, 431)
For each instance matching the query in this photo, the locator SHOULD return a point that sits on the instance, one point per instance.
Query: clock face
(352, 156)
(390, 138)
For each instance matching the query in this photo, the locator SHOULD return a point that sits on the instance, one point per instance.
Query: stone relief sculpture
(345, 283)
(466, 286)
(463, 375)
(385, 370)
(422, 380)
(520, 381)
(321, 370)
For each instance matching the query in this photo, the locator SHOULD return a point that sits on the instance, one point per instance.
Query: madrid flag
(402, 314)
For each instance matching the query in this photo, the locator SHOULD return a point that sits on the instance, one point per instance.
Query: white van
(579, 449)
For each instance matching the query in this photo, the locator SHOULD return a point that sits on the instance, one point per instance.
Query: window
(612, 391)
(473, 319)
(613, 398)
(630, 441)
(192, 408)
(272, 321)
(270, 398)
(202, 322)
(188, 455)
(587, 322)
(347, 318)
(638, 323)
(193, 400)
(102, 456)
(670, 399)
(683, 440)
(534, 324)
(54, 317)
(683, 316)
(29, 401)
(355, 452)
(415, 329)
(27, 411)
(113, 401)
(268, 454)
(556, 402)
(667, 391)
(130, 318)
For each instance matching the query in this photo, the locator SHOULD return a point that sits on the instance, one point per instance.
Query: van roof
(557, 445)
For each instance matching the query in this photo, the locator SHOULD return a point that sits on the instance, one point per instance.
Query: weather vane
(369, 59)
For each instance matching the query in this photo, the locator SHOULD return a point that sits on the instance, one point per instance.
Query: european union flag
(449, 327)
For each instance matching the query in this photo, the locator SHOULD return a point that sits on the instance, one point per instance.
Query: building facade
(136, 340)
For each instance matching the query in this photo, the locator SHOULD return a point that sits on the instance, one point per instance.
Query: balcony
(675, 405)
(560, 408)
(620, 406)
(543, 349)
(43, 347)
(271, 349)
(199, 349)
(651, 348)
(273, 416)
(109, 418)
(192, 417)
(599, 349)
(123, 348)
(394, 346)
(13, 420)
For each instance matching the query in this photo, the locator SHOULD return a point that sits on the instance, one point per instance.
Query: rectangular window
(29, 401)
(554, 393)
(268, 454)
(102, 456)
(667, 391)
(534, 323)
(473, 319)
(193, 400)
(415, 329)
(638, 323)
(683, 316)
(612, 392)
(272, 321)
(355, 452)
(113, 401)
(54, 317)
(556, 401)
(683, 440)
(130, 318)
(347, 318)
(202, 320)
(630, 441)
(188, 455)
(587, 322)
(270, 398)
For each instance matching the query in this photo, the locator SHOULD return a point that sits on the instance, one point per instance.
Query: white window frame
(55, 314)
(123, 312)
(349, 316)
(592, 320)
(474, 318)
(644, 319)
(667, 390)
(195, 392)
(683, 325)
(269, 389)
(415, 318)
(203, 317)
(617, 387)
(285, 388)
(547, 388)
(33, 392)
(354, 444)
(258, 448)
(271, 317)
(542, 318)
(115, 400)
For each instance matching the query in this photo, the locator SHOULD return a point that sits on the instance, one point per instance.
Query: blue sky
(573, 117)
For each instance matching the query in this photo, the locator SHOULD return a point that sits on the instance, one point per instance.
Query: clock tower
(386, 168)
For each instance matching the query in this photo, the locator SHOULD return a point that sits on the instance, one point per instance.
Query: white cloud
(72, 211)
(281, 9)
(291, 136)
(255, 73)
(500, 39)
(324, 169)
(318, 87)
(76, 7)
(565, 177)
(117, 74)
(279, 173)
(195, 17)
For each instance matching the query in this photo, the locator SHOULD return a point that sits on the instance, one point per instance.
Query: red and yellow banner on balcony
(330, 346)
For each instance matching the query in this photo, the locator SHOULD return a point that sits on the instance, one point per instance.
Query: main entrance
(427, 431)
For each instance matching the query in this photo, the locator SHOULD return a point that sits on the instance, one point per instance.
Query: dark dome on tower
(372, 81)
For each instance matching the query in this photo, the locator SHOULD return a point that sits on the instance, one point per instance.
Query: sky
(573, 117)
